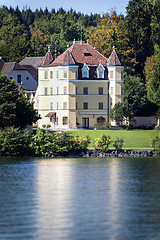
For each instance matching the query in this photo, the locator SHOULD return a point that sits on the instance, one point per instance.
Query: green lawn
(134, 139)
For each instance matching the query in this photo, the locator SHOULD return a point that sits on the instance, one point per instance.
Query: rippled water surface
(93, 198)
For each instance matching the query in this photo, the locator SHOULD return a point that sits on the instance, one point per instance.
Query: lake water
(83, 198)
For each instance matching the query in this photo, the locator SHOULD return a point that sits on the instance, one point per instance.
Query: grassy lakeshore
(134, 139)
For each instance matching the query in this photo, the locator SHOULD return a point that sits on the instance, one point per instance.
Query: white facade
(27, 81)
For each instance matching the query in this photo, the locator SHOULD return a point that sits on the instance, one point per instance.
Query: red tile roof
(79, 54)
(64, 59)
(113, 59)
(48, 59)
(50, 114)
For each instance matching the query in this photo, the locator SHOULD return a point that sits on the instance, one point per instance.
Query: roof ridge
(99, 52)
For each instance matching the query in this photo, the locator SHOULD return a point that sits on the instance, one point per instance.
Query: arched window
(101, 120)
(51, 74)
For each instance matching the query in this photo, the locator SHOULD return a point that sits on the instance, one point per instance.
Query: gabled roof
(113, 59)
(33, 61)
(8, 67)
(32, 70)
(80, 53)
(47, 59)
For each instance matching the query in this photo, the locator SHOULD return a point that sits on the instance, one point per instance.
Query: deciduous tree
(152, 71)
(15, 109)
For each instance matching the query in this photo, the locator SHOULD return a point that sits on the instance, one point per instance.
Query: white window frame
(64, 105)
(85, 71)
(100, 69)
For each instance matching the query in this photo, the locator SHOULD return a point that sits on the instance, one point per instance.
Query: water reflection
(17, 198)
(80, 199)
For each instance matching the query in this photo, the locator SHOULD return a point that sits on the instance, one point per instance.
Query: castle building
(78, 88)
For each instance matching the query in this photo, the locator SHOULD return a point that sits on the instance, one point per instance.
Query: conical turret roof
(113, 59)
(47, 59)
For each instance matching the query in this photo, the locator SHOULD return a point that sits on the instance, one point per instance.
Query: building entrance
(85, 122)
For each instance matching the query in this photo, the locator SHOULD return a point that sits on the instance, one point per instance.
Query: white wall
(144, 121)
(30, 84)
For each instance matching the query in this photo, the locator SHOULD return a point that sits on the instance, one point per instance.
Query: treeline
(136, 38)
(28, 33)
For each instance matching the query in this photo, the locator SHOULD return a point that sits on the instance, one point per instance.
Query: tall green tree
(117, 113)
(134, 96)
(14, 41)
(152, 71)
(109, 32)
(15, 109)
(142, 22)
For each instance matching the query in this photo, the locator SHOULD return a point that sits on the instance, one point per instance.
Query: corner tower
(115, 77)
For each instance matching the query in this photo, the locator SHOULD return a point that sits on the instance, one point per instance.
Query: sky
(84, 6)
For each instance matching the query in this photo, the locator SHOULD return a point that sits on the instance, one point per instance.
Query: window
(76, 74)
(65, 73)
(65, 120)
(100, 71)
(45, 91)
(85, 105)
(100, 90)
(111, 90)
(51, 105)
(122, 75)
(57, 90)
(76, 105)
(111, 74)
(51, 90)
(121, 90)
(27, 78)
(85, 90)
(85, 73)
(65, 90)
(51, 74)
(76, 91)
(87, 54)
(45, 75)
(19, 80)
(57, 106)
(101, 120)
(101, 74)
(57, 74)
(65, 105)
(100, 105)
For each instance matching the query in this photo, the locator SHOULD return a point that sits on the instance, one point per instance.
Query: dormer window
(85, 71)
(87, 54)
(100, 71)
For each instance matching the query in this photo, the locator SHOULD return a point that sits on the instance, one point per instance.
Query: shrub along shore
(97, 143)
